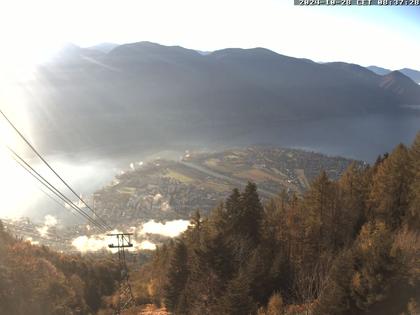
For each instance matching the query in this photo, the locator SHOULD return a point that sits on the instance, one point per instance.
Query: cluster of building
(152, 194)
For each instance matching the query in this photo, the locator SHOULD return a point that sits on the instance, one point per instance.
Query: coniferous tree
(335, 250)
(413, 215)
(353, 190)
(194, 230)
(237, 299)
(380, 159)
(375, 264)
(274, 220)
(258, 271)
(233, 203)
(389, 196)
(219, 220)
(174, 293)
(275, 246)
(251, 213)
(335, 297)
(321, 208)
(205, 284)
(244, 215)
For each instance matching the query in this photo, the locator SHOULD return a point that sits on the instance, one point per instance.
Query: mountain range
(412, 74)
(163, 93)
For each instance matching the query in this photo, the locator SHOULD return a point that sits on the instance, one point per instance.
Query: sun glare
(18, 65)
(17, 191)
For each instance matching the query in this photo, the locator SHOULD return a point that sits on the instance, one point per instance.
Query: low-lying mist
(98, 242)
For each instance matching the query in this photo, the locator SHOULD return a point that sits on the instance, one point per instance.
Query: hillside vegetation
(35, 280)
(349, 246)
(346, 246)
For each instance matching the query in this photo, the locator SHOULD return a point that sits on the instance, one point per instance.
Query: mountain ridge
(411, 73)
(170, 92)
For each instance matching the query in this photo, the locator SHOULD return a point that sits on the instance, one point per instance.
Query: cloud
(90, 243)
(147, 245)
(43, 231)
(49, 221)
(99, 242)
(170, 228)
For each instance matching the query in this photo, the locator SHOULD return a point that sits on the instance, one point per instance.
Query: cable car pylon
(126, 299)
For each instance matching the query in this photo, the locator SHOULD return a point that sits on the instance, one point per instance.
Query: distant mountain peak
(399, 83)
(411, 73)
(398, 75)
(379, 70)
(354, 69)
(152, 50)
(245, 52)
(103, 47)
(69, 48)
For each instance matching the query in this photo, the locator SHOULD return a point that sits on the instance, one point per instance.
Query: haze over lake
(361, 138)
(92, 113)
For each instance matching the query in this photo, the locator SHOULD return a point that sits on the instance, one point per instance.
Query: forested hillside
(346, 246)
(350, 246)
(35, 280)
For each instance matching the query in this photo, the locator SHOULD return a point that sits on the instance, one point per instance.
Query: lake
(362, 138)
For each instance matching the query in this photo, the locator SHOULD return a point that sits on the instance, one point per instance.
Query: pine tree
(335, 297)
(320, 203)
(296, 217)
(176, 279)
(233, 211)
(353, 190)
(233, 203)
(237, 299)
(380, 159)
(211, 269)
(275, 246)
(274, 220)
(251, 213)
(195, 229)
(219, 220)
(375, 264)
(389, 196)
(243, 217)
(258, 271)
(413, 215)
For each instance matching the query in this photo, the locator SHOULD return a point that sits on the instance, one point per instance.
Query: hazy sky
(32, 30)
(390, 37)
